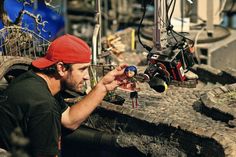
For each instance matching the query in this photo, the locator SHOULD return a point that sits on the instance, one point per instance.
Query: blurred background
(210, 24)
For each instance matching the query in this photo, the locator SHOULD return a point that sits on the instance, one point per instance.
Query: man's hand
(113, 79)
(71, 119)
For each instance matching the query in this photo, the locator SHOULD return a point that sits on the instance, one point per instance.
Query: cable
(173, 8)
(139, 27)
(172, 11)
(171, 32)
(222, 6)
(184, 37)
(169, 26)
(221, 9)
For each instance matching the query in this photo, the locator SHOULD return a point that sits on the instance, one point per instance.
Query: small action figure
(131, 84)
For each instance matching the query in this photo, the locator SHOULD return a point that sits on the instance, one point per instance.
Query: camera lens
(158, 84)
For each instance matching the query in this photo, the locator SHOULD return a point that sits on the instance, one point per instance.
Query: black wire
(171, 32)
(172, 10)
(140, 24)
(183, 36)
(170, 26)
(169, 6)
(167, 14)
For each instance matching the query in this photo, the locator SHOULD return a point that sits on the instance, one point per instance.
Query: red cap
(67, 49)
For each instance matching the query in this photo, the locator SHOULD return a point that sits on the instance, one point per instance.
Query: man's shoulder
(28, 85)
(28, 79)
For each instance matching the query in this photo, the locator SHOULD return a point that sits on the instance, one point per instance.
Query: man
(33, 103)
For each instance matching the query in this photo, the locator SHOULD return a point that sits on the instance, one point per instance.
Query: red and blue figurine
(130, 72)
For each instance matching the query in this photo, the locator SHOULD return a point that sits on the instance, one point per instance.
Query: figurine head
(130, 71)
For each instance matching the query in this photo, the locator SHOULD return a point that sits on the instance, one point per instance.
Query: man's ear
(60, 68)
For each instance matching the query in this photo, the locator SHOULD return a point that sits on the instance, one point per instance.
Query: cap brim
(42, 63)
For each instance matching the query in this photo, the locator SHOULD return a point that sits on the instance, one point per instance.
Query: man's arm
(73, 116)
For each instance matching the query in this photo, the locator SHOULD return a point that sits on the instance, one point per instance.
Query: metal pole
(95, 44)
(100, 24)
(156, 33)
(96, 41)
(194, 16)
(163, 24)
(210, 17)
(160, 34)
(65, 15)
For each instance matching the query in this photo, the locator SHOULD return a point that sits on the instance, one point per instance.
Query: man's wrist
(101, 87)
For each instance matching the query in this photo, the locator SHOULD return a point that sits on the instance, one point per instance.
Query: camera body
(167, 65)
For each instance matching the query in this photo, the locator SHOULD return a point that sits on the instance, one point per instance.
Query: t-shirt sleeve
(44, 133)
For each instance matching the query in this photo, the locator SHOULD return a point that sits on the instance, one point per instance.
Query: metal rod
(100, 23)
(65, 15)
(210, 17)
(95, 42)
(160, 21)
(194, 16)
(156, 37)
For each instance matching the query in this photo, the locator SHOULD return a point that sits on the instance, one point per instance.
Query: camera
(167, 65)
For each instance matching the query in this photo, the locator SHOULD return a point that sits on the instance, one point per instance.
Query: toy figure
(130, 84)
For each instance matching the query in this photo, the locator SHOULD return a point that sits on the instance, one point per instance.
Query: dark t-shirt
(29, 104)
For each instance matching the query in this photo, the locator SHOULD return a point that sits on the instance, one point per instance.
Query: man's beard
(72, 87)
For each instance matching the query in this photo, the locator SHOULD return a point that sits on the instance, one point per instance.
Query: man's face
(75, 77)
